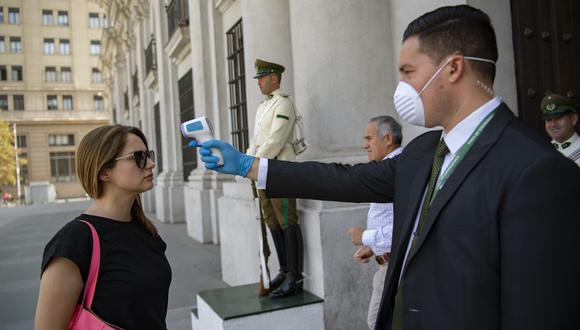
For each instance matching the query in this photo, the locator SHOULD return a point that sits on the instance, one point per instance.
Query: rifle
(264, 284)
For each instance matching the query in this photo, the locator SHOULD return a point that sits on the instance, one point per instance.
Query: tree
(7, 155)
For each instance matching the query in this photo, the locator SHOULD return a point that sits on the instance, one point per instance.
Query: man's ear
(388, 139)
(274, 79)
(574, 119)
(456, 66)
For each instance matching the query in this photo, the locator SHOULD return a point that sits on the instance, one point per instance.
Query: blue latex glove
(235, 162)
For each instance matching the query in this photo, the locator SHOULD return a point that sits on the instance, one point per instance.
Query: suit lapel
(480, 148)
(422, 163)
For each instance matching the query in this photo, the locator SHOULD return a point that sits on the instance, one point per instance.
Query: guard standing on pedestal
(273, 137)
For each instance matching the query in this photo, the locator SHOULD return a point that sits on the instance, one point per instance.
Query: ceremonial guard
(273, 137)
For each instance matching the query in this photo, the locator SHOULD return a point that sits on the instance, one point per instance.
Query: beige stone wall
(36, 122)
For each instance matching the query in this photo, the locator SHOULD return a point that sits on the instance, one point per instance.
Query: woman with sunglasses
(114, 165)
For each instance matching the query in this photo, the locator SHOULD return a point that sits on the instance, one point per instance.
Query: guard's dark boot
(294, 252)
(279, 243)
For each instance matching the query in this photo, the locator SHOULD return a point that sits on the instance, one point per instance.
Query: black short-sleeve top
(134, 275)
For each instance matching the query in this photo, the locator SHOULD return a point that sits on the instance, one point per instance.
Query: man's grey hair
(387, 124)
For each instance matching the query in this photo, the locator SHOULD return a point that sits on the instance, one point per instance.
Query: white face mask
(408, 103)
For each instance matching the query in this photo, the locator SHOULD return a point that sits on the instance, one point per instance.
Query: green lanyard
(461, 153)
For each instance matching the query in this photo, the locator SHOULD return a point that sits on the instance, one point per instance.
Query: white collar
(572, 140)
(462, 131)
(394, 153)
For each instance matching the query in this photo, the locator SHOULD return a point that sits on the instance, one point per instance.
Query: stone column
(342, 77)
(169, 184)
(204, 187)
(148, 198)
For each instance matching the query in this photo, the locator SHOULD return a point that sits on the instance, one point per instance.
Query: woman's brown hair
(97, 152)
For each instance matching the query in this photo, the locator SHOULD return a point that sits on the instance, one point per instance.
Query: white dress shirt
(379, 233)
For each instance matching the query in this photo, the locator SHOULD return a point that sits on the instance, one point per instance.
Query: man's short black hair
(457, 29)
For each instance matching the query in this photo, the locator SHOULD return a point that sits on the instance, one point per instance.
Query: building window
(2, 45)
(95, 47)
(47, 18)
(64, 46)
(97, 77)
(4, 102)
(59, 140)
(50, 74)
(15, 45)
(18, 101)
(94, 21)
(186, 112)
(17, 73)
(62, 18)
(158, 145)
(3, 73)
(98, 103)
(1, 14)
(237, 87)
(51, 102)
(62, 166)
(177, 15)
(49, 46)
(65, 74)
(23, 158)
(150, 57)
(21, 141)
(67, 102)
(14, 15)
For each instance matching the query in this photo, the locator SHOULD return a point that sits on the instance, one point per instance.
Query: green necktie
(440, 154)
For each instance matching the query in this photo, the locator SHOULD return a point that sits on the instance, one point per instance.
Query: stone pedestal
(241, 308)
(329, 267)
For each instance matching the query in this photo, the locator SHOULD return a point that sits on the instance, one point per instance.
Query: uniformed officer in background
(273, 135)
(560, 115)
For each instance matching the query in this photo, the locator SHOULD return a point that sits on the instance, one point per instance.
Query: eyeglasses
(140, 157)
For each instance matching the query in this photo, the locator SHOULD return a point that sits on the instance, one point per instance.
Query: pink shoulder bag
(83, 317)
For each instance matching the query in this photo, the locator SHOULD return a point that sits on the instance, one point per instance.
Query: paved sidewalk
(25, 230)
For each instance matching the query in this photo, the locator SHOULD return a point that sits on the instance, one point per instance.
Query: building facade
(168, 61)
(51, 89)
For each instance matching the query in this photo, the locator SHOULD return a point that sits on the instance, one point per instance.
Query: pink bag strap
(93, 276)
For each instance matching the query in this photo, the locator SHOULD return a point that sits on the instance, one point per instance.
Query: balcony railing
(135, 78)
(150, 57)
(177, 15)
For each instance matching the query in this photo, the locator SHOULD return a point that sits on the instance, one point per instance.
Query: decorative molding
(141, 9)
(179, 45)
(223, 5)
(120, 61)
(130, 39)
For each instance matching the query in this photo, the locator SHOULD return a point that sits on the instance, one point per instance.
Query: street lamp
(17, 162)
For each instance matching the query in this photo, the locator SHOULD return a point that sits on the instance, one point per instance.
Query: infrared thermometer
(201, 130)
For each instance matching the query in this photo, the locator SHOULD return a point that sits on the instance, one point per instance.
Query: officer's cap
(557, 105)
(264, 68)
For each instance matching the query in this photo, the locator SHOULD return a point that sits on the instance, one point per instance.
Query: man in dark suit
(486, 226)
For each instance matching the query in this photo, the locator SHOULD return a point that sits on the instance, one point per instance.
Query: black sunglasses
(140, 157)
